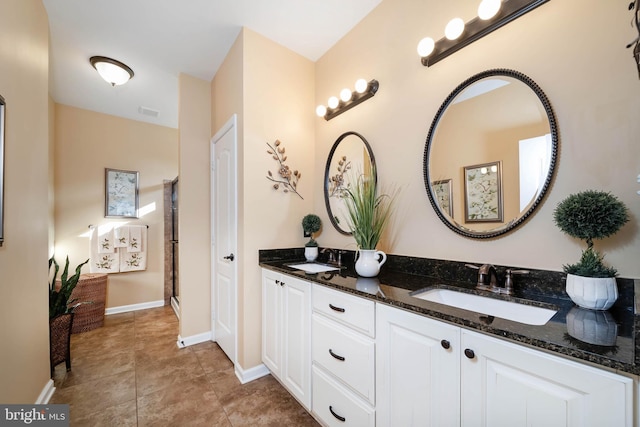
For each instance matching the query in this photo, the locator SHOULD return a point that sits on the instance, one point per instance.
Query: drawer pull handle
(343, 419)
(469, 353)
(334, 308)
(445, 344)
(335, 356)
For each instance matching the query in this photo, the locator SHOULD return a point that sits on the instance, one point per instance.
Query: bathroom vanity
(368, 352)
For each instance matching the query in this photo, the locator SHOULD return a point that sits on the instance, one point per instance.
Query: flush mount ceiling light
(348, 99)
(492, 14)
(112, 71)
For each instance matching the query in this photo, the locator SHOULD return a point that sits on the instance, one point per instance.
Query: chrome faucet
(488, 279)
(335, 256)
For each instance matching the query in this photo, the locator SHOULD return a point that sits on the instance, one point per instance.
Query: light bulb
(488, 9)
(494, 169)
(333, 102)
(483, 171)
(345, 94)
(321, 110)
(454, 28)
(361, 85)
(426, 46)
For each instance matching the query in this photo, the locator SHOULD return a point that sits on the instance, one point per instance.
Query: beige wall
(194, 118)
(24, 52)
(574, 50)
(88, 142)
(276, 89)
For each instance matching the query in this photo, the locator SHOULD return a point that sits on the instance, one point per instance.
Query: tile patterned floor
(131, 373)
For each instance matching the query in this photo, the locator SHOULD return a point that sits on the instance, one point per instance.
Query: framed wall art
(483, 192)
(2, 108)
(121, 193)
(444, 195)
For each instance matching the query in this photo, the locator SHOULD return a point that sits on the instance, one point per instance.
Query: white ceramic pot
(594, 293)
(311, 253)
(369, 262)
(592, 327)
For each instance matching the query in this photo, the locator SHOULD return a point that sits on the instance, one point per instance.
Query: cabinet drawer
(356, 312)
(336, 406)
(346, 354)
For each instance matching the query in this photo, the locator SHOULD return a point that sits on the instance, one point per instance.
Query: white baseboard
(193, 339)
(251, 374)
(46, 393)
(134, 307)
(176, 307)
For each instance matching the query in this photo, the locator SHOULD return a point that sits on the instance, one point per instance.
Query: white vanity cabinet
(430, 373)
(505, 384)
(286, 332)
(418, 370)
(343, 353)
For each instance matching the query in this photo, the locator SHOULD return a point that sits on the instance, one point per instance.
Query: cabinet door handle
(277, 282)
(335, 356)
(445, 344)
(469, 353)
(343, 419)
(334, 308)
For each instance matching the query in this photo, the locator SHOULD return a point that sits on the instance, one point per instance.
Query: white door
(224, 228)
(508, 385)
(417, 370)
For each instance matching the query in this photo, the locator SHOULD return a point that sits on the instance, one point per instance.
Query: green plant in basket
(59, 299)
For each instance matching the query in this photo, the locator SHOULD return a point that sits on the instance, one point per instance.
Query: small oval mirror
(490, 154)
(350, 156)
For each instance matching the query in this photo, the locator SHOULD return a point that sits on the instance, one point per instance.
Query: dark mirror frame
(552, 165)
(2, 125)
(327, 173)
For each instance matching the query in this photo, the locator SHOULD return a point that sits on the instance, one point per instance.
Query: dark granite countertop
(604, 338)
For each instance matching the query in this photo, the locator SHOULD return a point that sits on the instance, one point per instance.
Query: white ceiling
(159, 39)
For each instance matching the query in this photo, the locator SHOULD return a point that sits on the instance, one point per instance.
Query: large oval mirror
(350, 157)
(490, 154)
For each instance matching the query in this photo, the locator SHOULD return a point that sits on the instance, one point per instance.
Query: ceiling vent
(148, 111)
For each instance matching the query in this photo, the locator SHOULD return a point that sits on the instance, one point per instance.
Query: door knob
(230, 257)
(469, 353)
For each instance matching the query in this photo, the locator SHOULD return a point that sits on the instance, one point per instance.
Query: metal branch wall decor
(635, 22)
(285, 178)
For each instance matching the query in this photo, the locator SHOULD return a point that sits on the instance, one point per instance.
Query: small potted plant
(368, 214)
(61, 308)
(311, 223)
(590, 215)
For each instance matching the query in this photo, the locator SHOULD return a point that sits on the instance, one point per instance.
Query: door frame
(229, 126)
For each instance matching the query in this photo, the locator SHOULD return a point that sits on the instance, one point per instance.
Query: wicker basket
(90, 288)
(59, 336)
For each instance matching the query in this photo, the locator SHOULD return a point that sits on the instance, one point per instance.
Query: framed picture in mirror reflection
(444, 195)
(483, 192)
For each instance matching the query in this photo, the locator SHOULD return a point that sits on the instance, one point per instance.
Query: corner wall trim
(46, 393)
(251, 374)
(194, 339)
(134, 307)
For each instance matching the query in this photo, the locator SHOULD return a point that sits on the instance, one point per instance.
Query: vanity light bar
(348, 99)
(474, 30)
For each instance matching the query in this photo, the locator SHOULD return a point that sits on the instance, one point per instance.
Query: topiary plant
(590, 215)
(311, 223)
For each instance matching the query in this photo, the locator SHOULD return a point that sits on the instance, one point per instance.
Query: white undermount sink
(528, 314)
(312, 267)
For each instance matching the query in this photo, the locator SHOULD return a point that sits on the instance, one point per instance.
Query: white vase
(369, 262)
(311, 253)
(593, 327)
(594, 293)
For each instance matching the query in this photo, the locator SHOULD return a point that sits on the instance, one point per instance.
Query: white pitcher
(369, 262)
